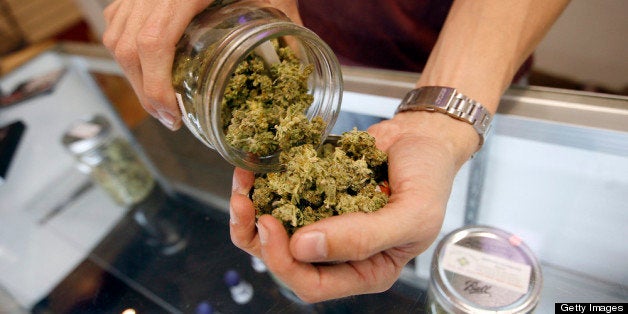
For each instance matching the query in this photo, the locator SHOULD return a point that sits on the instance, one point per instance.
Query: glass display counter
(554, 172)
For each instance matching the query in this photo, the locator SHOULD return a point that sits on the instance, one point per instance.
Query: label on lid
(488, 268)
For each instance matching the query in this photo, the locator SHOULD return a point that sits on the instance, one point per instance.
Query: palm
(374, 247)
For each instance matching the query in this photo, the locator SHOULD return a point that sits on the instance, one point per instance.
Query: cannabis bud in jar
(250, 83)
(110, 160)
(264, 107)
(343, 177)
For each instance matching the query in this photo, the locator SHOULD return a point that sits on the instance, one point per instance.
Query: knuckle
(125, 54)
(235, 239)
(247, 246)
(240, 243)
(109, 39)
(157, 93)
(149, 40)
(363, 246)
(385, 285)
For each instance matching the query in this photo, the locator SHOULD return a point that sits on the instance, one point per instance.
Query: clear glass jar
(110, 160)
(215, 43)
(480, 269)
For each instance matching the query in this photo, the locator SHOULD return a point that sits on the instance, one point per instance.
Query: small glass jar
(479, 269)
(216, 41)
(110, 160)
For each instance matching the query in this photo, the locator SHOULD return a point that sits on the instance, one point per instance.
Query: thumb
(357, 236)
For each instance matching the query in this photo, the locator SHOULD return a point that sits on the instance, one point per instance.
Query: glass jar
(479, 269)
(215, 43)
(110, 160)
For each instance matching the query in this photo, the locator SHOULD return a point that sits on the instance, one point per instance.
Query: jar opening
(274, 44)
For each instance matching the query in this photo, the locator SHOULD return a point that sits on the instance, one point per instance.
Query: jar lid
(85, 135)
(480, 269)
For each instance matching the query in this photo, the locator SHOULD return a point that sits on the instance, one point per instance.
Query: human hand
(367, 251)
(142, 36)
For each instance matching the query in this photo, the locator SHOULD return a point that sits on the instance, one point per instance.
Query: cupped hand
(368, 250)
(142, 36)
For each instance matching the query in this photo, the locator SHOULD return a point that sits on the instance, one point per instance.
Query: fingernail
(233, 218)
(263, 234)
(312, 246)
(166, 119)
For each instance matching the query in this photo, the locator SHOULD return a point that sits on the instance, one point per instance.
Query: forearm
(483, 43)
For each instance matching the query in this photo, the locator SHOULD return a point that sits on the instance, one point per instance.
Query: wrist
(457, 138)
(450, 102)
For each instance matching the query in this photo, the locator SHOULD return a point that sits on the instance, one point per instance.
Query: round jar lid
(479, 269)
(85, 135)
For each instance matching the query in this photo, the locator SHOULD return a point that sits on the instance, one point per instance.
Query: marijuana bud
(349, 177)
(264, 112)
(264, 106)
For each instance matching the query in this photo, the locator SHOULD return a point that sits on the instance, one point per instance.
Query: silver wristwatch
(449, 101)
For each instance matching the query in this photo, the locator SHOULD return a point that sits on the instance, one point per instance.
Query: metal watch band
(449, 101)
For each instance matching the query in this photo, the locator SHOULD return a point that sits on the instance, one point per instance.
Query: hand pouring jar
(216, 41)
